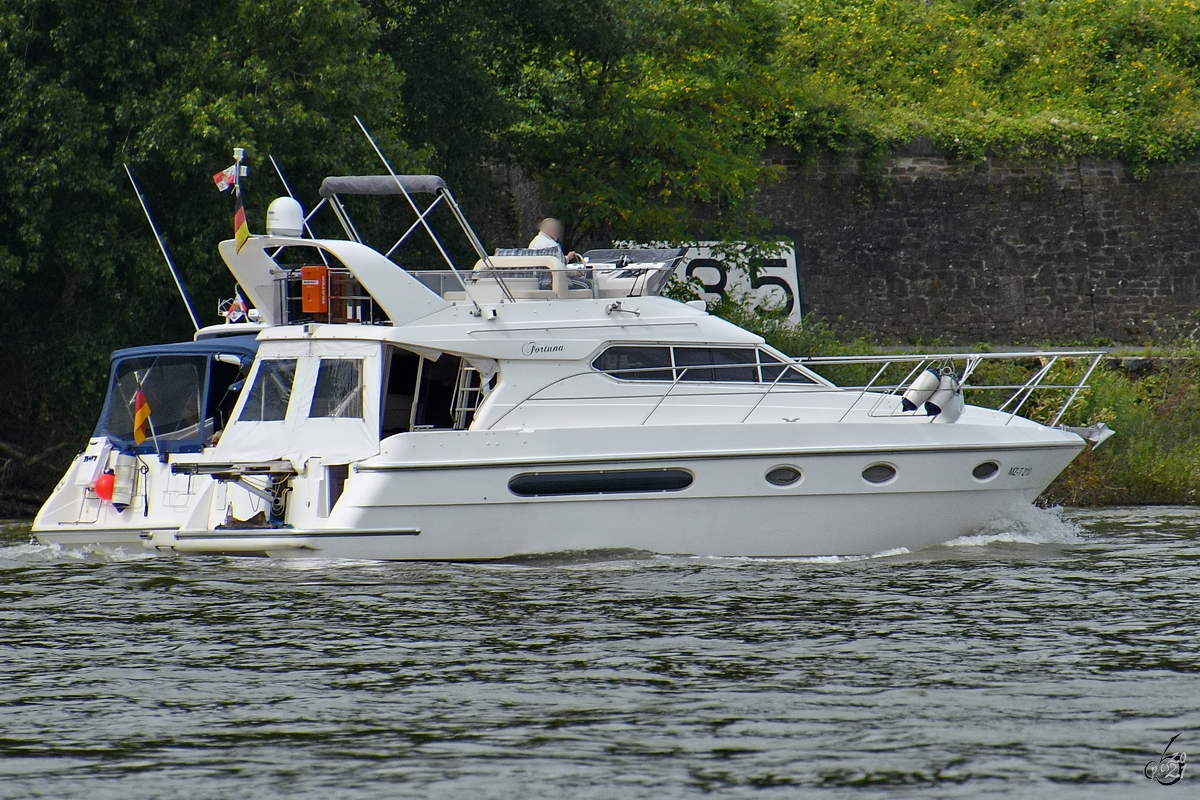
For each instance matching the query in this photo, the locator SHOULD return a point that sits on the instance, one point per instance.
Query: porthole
(879, 473)
(783, 476)
(986, 470)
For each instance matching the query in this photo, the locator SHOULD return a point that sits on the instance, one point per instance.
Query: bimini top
(382, 184)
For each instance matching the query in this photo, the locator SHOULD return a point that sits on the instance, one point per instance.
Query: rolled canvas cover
(382, 184)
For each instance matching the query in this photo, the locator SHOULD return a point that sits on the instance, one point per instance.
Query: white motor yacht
(528, 406)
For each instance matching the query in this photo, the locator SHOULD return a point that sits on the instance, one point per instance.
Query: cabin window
(339, 392)
(725, 362)
(636, 363)
(619, 481)
(171, 392)
(270, 392)
(420, 393)
(697, 365)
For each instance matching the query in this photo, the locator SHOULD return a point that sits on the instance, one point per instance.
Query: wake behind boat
(528, 406)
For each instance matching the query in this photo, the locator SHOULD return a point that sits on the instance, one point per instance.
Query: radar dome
(285, 217)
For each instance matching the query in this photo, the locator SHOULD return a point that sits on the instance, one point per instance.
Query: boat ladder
(468, 395)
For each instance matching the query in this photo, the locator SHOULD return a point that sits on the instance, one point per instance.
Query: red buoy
(104, 486)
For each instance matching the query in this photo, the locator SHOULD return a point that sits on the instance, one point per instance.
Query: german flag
(241, 231)
(141, 416)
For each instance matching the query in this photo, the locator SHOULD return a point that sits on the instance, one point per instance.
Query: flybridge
(296, 280)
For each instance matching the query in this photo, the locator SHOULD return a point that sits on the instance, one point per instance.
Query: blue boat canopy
(174, 398)
(233, 345)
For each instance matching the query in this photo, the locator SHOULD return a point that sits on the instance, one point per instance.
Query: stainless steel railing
(878, 391)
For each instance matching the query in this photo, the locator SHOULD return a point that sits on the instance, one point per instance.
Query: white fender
(946, 403)
(920, 390)
(124, 476)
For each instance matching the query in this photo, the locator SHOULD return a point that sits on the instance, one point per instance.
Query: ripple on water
(1050, 654)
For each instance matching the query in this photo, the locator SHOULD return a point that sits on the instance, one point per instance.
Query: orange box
(314, 289)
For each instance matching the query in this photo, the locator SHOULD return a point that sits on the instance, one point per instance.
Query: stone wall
(1000, 251)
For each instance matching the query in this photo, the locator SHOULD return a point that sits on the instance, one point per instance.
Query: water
(1051, 656)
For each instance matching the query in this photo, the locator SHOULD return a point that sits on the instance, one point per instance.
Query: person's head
(552, 228)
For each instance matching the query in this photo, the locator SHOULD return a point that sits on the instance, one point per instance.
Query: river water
(1051, 656)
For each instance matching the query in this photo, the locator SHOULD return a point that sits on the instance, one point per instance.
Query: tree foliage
(645, 113)
(638, 119)
(1111, 78)
(168, 87)
(632, 119)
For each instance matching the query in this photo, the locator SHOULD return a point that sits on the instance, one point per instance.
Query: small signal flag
(226, 178)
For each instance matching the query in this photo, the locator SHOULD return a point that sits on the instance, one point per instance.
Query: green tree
(169, 87)
(638, 119)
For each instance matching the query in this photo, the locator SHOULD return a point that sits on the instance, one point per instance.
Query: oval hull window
(986, 471)
(783, 476)
(879, 473)
(618, 481)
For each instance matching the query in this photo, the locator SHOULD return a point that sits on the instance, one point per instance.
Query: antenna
(161, 246)
(400, 185)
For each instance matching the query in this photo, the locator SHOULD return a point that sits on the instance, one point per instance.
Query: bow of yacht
(528, 406)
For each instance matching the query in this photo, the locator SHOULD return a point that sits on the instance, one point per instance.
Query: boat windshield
(159, 403)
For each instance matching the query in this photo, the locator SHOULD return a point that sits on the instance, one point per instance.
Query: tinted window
(725, 361)
(783, 476)
(621, 481)
(879, 473)
(985, 470)
(339, 391)
(636, 363)
(271, 391)
(770, 370)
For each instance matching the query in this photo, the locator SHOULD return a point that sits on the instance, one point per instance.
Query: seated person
(549, 237)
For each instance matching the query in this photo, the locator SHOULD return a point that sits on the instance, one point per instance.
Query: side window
(339, 392)
(772, 367)
(636, 363)
(270, 392)
(726, 364)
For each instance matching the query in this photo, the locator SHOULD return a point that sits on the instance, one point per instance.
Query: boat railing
(948, 363)
(962, 366)
(339, 297)
(537, 282)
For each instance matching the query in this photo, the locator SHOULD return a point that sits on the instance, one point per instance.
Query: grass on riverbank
(1154, 458)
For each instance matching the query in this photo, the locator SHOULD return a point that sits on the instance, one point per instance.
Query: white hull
(762, 527)
(394, 511)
